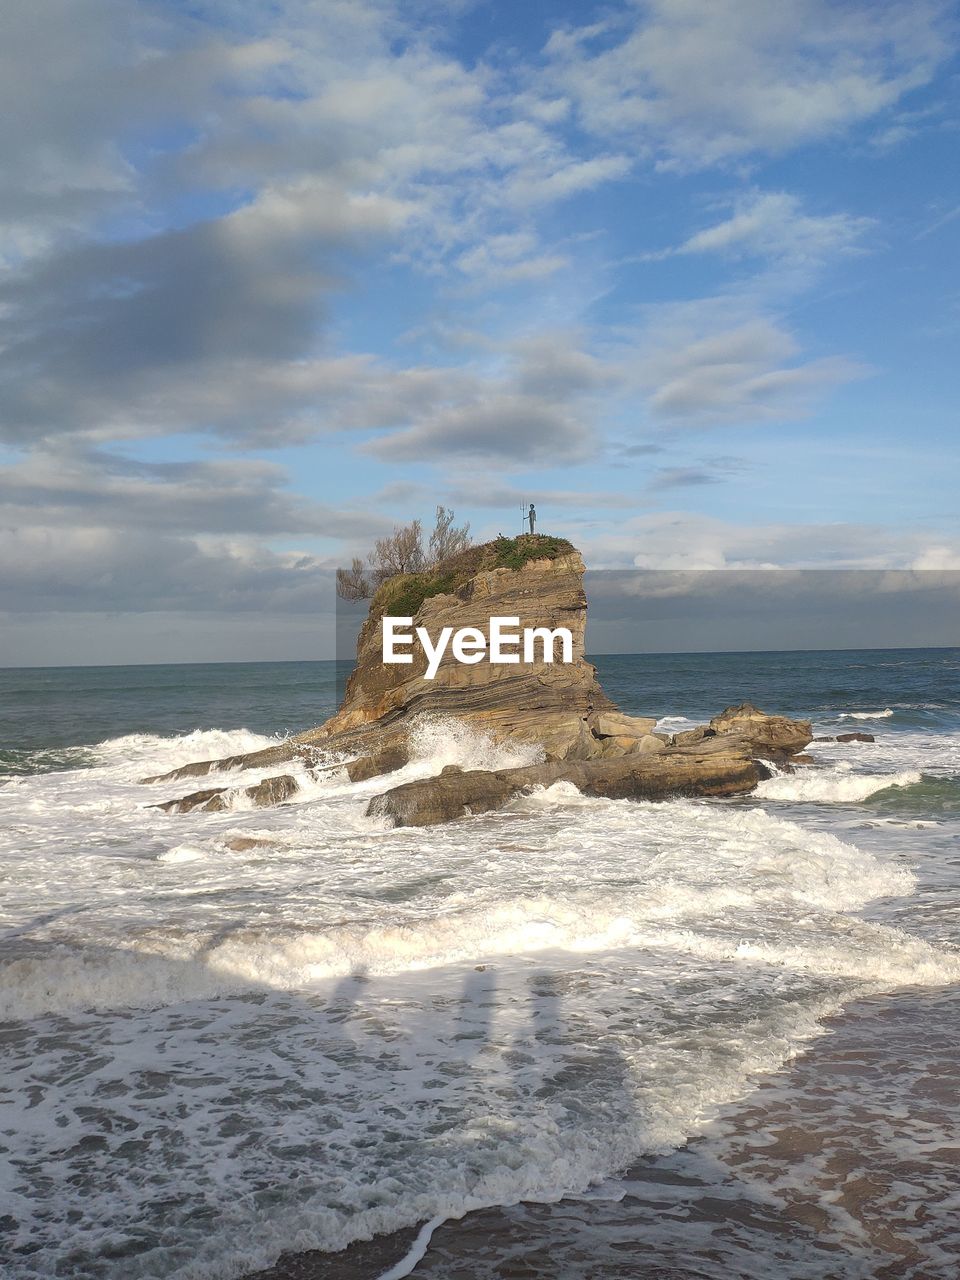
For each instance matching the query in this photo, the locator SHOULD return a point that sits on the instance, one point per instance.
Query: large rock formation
(554, 704)
(557, 706)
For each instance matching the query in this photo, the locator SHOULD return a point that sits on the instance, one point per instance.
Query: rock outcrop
(559, 707)
(270, 791)
(549, 703)
(720, 767)
(775, 736)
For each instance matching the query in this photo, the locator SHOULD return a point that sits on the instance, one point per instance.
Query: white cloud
(559, 181)
(689, 541)
(938, 556)
(102, 491)
(128, 570)
(696, 372)
(506, 428)
(537, 403)
(699, 82)
(773, 225)
(511, 257)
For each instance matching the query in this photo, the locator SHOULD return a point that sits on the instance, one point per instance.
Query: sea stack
(556, 706)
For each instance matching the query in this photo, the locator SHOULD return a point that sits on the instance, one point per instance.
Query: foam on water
(137, 751)
(837, 785)
(222, 1047)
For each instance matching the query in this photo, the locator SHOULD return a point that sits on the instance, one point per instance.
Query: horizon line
(614, 653)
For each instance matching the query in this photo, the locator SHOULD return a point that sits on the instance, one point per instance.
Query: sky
(277, 275)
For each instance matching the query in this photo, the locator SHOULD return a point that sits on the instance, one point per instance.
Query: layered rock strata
(558, 707)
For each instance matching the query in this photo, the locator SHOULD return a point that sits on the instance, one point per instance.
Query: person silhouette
(532, 517)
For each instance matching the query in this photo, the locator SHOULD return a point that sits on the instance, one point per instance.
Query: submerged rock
(856, 737)
(244, 844)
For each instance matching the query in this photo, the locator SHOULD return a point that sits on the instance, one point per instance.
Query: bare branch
(353, 583)
(402, 552)
(447, 539)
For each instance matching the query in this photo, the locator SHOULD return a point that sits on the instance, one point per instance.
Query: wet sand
(844, 1166)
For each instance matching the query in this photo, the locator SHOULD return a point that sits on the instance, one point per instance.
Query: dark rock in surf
(725, 770)
(388, 760)
(270, 791)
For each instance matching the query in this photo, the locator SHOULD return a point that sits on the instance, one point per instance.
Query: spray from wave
(436, 742)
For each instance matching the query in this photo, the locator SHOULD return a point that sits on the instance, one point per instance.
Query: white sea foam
(836, 785)
(415, 1254)
(343, 1029)
(867, 715)
(675, 724)
(438, 741)
(694, 865)
(181, 853)
(135, 754)
(896, 752)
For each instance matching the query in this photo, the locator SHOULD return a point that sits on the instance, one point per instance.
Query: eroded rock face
(559, 706)
(388, 760)
(614, 724)
(542, 702)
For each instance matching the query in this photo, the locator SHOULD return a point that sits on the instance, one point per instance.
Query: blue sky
(275, 276)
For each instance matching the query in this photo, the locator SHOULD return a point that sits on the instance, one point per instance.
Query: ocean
(576, 1037)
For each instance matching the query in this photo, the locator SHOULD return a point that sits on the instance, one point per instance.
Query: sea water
(228, 1035)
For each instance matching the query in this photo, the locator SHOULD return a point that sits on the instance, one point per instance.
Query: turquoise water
(227, 1035)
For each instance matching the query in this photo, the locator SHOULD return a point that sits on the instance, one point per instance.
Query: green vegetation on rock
(513, 553)
(403, 594)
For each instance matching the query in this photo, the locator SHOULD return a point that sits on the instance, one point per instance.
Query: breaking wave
(835, 785)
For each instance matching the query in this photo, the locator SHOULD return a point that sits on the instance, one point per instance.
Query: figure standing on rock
(532, 517)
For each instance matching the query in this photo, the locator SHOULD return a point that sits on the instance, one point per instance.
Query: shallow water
(214, 1053)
